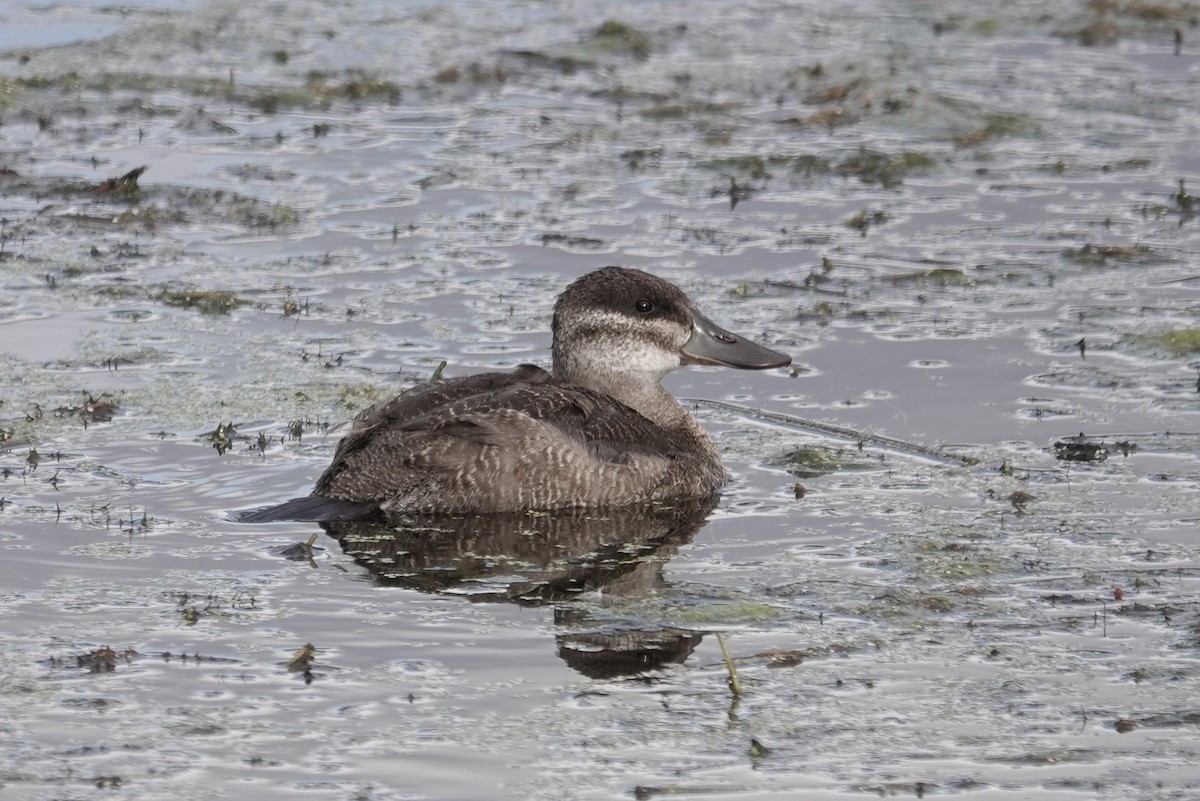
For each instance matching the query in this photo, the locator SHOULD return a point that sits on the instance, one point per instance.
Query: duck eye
(644, 305)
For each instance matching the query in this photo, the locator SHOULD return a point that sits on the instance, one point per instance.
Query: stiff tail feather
(314, 508)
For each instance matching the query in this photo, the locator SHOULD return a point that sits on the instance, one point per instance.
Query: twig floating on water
(839, 431)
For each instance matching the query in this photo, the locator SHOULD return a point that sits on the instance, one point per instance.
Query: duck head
(623, 325)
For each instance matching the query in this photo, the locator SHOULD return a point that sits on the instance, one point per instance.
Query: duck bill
(712, 344)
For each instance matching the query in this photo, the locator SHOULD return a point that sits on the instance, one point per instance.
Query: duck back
(502, 442)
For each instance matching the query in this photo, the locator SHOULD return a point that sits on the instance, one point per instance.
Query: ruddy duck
(598, 431)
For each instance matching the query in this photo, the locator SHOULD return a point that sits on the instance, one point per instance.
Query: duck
(596, 431)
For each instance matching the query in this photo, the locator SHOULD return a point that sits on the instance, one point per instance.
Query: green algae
(681, 110)
(741, 611)
(315, 89)
(1177, 342)
(867, 165)
(207, 302)
(621, 37)
(810, 461)
(1090, 255)
(998, 125)
(942, 276)
(887, 170)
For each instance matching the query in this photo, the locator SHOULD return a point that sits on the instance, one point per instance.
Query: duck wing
(510, 445)
(607, 429)
(411, 404)
(433, 395)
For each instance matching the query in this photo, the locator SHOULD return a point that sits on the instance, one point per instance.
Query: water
(928, 207)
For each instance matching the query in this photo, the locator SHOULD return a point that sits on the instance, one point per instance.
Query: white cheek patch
(619, 343)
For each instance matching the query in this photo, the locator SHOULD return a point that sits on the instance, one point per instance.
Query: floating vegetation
(1177, 342)
(735, 192)
(222, 437)
(866, 219)
(193, 607)
(101, 660)
(620, 37)
(826, 118)
(735, 611)
(1090, 255)
(638, 158)
(323, 89)
(93, 409)
(1111, 20)
(253, 213)
(810, 461)
(1183, 204)
(572, 242)
(303, 659)
(205, 301)
(809, 165)
(876, 167)
(125, 202)
(106, 659)
(834, 93)
(297, 551)
(1020, 500)
(1082, 448)
(359, 396)
(752, 167)
(916, 603)
(11, 90)
(437, 180)
(943, 276)
(318, 89)
(565, 64)
(303, 662)
(867, 165)
(1185, 201)
(998, 125)
(124, 186)
(1095, 34)
(1078, 449)
(675, 111)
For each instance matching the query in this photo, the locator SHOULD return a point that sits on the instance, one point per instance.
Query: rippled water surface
(970, 224)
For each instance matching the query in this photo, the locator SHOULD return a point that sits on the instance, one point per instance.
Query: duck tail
(314, 508)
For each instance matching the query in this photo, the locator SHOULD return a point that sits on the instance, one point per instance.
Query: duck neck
(646, 396)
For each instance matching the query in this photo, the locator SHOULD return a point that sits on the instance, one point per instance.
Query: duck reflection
(541, 558)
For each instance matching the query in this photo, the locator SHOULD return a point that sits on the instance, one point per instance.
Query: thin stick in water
(735, 684)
